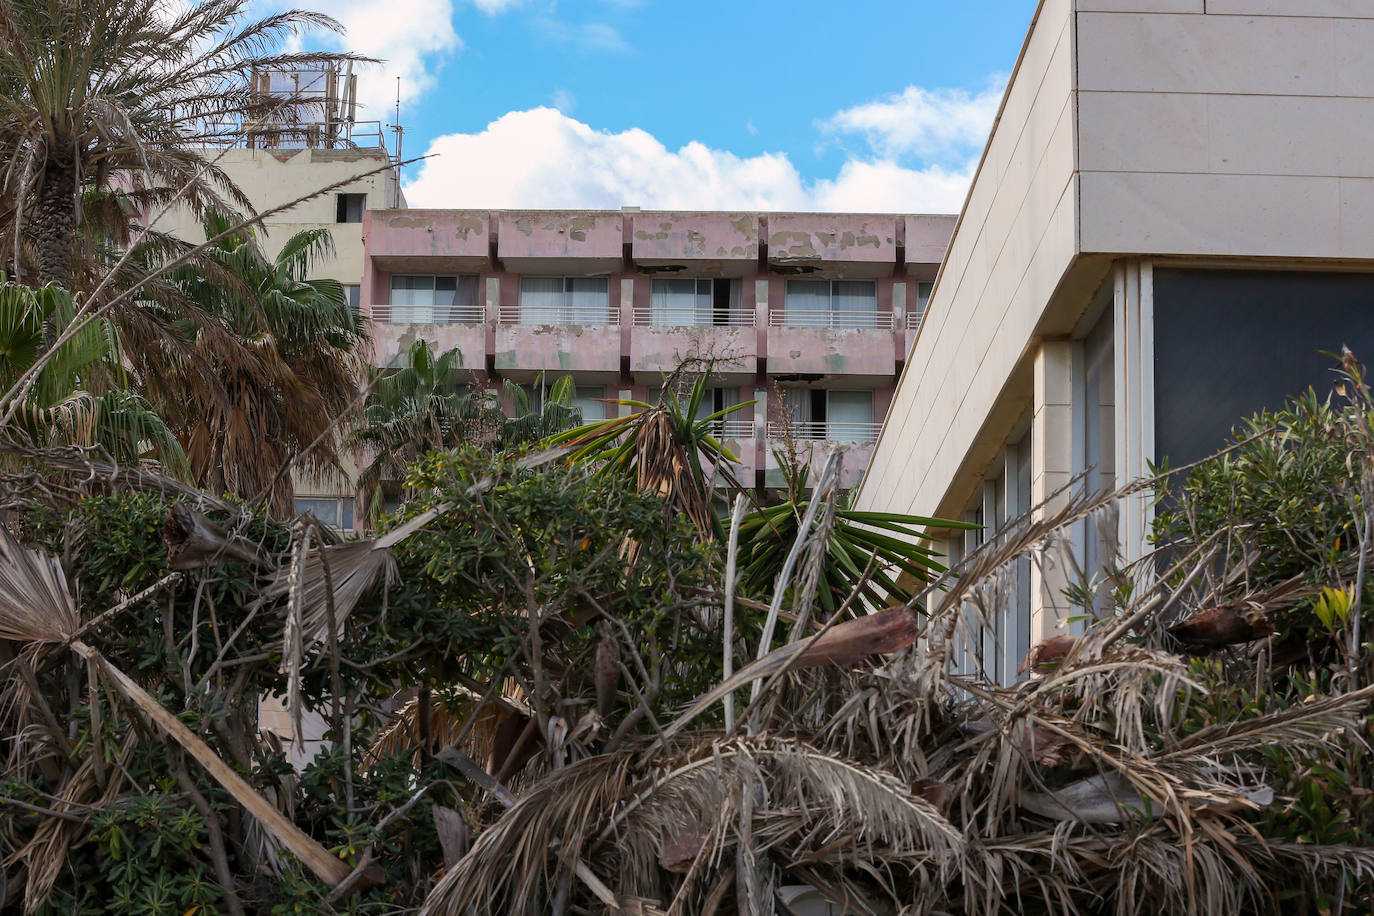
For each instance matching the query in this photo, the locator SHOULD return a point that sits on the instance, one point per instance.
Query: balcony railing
(825, 318)
(838, 431)
(913, 320)
(687, 317)
(428, 314)
(559, 315)
(733, 429)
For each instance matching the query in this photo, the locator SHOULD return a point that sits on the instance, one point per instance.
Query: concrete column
(492, 305)
(1052, 444)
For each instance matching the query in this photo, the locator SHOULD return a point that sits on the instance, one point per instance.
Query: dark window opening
(720, 301)
(349, 208)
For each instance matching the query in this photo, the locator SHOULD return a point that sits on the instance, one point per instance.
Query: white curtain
(808, 303)
(415, 297)
(855, 304)
(589, 301)
(736, 302)
(849, 416)
(586, 399)
(541, 300)
(672, 303)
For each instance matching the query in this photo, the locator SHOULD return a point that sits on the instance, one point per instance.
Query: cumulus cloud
(543, 158)
(927, 123)
(388, 31)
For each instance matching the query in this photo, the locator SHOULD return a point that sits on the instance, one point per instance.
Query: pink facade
(809, 315)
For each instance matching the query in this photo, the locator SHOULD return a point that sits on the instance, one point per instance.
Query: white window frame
(830, 316)
(566, 313)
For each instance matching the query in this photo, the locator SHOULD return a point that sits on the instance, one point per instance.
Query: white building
(1173, 217)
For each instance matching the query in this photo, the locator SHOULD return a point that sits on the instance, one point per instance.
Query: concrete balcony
(855, 459)
(659, 341)
(428, 241)
(701, 244)
(392, 337)
(850, 351)
(560, 242)
(524, 350)
(844, 245)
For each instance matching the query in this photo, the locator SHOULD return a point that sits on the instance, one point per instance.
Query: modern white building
(1172, 219)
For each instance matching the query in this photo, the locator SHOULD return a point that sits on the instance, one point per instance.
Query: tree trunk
(54, 224)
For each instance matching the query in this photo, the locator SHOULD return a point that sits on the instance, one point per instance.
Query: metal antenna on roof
(400, 134)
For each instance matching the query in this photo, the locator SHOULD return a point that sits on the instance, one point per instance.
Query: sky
(685, 104)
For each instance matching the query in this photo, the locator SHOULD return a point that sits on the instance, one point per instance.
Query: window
(353, 293)
(832, 304)
(823, 413)
(426, 299)
(349, 207)
(588, 400)
(334, 512)
(994, 633)
(923, 291)
(565, 300)
(682, 302)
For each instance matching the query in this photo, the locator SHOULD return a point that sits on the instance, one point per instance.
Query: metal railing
(825, 318)
(560, 315)
(914, 319)
(428, 314)
(733, 429)
(838, 431)
(688, 317)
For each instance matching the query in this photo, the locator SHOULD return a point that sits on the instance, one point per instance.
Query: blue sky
(589, 103)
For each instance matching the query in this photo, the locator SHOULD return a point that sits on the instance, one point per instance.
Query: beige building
(1173, 217)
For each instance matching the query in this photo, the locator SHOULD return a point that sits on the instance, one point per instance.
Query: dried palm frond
(35, 605)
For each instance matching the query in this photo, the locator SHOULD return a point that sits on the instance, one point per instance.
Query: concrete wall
(1247, 131)
(1014, 240)
(270, 178)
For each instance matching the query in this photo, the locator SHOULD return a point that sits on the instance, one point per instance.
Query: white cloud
(927, 123)
(492, 7)
(543, 158)
(588, 36)
(391, 32)
(564, 100)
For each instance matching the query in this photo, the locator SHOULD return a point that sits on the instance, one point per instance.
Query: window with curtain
(832, 303)
(849, 416)
(335, 512)
(854, 304)
(587, 398)
(923, 291)
(427, 299)
(565, 300)
(680, 303)
(808, 303)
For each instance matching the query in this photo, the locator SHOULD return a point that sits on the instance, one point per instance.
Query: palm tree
(428, 406)
(82, 395)
(93, 89)
(276, 375)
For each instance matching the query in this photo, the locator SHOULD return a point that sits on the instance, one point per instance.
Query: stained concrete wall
(270, 178)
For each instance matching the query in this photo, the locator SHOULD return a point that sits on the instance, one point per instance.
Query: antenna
(400, 135)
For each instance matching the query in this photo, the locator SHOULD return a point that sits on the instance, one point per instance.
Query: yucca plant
(663, 448)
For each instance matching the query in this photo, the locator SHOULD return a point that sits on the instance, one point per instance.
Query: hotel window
(353, 293)
(565, 300)
(832, 304)
(427, 299)
(825, 413)
(588, 399)
(348, 208)
(680, 302)
(923, 291)
(337, 513)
